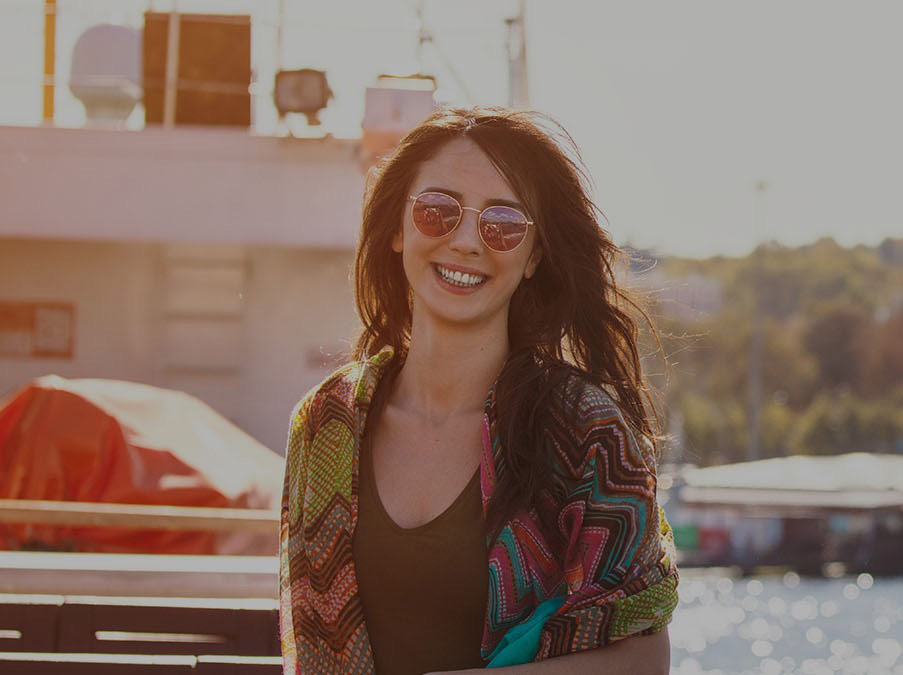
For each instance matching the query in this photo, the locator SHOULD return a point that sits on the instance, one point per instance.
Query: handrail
(143, 516)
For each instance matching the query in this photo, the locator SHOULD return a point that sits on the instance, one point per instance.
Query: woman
(428, 525)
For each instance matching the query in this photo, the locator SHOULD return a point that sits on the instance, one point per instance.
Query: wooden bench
(31, 663)
(134, 574)
(34, 663)
(84, 635)
(192, 626)
(28, 623)
(117, 625)
(137, 614)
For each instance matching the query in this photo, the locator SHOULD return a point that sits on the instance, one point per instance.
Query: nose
(466, 237)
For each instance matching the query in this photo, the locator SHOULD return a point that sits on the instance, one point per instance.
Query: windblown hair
(570, 316)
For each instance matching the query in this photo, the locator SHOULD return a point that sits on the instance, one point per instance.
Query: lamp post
(518, 93)
(756, 347)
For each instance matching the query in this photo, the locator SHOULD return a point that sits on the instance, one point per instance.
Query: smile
(460, 279)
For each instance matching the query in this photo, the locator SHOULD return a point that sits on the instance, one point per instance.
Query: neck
(449, 369)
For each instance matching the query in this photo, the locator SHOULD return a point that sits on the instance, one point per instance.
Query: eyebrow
(489, 202)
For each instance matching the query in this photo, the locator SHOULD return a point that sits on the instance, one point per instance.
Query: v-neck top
(423, 589)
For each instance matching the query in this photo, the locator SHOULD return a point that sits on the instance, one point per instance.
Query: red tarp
(109, 441)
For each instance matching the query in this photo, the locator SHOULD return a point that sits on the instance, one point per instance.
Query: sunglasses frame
(462, 209)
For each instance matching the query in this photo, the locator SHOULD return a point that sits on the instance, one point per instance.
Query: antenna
(518, 94)
(425, 37)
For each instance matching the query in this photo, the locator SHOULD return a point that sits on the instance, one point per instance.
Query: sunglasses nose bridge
(465, 234)
(470, 208)
(478, 213)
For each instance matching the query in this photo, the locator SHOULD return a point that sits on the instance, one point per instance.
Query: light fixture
(302, 91)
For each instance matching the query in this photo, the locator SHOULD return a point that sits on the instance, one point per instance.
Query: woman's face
(461, 169)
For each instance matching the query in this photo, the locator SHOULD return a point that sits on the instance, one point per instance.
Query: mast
(518, 94)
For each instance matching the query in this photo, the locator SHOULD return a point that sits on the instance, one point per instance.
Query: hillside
(830, 321)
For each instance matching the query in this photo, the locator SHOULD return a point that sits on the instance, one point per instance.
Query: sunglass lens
(435, 214)
(503, 228)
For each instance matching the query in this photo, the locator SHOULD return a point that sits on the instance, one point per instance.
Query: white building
(202, 259)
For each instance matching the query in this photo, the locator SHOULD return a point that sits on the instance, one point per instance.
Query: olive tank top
(423, 589)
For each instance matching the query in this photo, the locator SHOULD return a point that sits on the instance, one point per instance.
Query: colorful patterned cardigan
(609, 561)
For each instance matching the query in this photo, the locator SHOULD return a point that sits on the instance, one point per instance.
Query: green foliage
(838, 422)
(792, 280)
(831, 321)
(715, 431)
(778, 421)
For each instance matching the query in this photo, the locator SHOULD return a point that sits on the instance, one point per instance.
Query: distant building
(202, 259)
(804, 511)
(192, 254)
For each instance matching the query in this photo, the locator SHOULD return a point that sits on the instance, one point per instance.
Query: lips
(460, 278)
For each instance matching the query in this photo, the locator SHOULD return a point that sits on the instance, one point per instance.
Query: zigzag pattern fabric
(602, 542)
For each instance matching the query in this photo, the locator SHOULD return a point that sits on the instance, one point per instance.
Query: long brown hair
(571, 315)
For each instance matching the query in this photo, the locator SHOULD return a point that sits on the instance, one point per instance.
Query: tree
(837, 336)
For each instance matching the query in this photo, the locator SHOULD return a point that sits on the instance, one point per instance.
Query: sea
(728, 624)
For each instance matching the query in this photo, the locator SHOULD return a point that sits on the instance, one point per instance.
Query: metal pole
(143, 516)
(49, 58)
(170, 94)
(423, 36)
(280, 20)
(518, 94)
(756, 346)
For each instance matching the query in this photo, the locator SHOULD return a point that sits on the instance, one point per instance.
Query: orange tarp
(120, 442)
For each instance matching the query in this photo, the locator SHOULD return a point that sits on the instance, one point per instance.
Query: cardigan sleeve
(619, 549)
(292, 492)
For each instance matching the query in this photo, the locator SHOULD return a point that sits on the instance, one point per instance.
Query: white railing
(141, 516)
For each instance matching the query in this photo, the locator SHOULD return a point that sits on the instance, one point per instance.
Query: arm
(641, 655)
(617, 555)
(619, 566)
(291, 491)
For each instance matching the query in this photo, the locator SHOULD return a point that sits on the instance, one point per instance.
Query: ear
(398, 241)
(533, 262)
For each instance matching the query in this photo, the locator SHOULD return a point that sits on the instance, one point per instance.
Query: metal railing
(143, 516)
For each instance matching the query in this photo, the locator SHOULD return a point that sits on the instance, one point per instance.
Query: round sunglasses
(436, 214)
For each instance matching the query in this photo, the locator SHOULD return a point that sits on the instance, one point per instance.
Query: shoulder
(340, 394)
(588, 421)
(578, 395)
(335, 386)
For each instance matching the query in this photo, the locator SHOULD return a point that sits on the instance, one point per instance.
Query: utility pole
(171, 91)
(518, 93)
(49, 59)
(280, 37)
(423, 37)
(756, 347)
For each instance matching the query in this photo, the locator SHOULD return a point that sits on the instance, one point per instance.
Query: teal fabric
(520, 644)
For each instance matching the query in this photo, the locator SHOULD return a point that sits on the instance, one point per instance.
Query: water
(787, 624)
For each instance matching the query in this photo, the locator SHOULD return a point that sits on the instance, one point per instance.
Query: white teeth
(458, 278)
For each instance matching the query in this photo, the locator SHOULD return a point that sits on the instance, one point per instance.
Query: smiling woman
(443, 244)
(477, 488)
